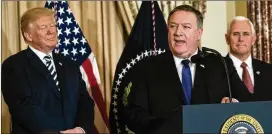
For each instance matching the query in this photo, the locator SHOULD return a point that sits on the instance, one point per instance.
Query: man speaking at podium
(252, 76)
(165, 82)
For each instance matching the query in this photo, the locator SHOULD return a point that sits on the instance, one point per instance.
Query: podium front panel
(213, 118)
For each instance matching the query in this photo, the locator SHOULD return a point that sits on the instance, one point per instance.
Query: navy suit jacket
(35, 103)
(262, 82)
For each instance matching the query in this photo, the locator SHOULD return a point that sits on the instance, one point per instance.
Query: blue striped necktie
(187, 80)
(51, 69)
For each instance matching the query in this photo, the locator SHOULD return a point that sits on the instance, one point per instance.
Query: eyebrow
(241, 32)
(181, 23)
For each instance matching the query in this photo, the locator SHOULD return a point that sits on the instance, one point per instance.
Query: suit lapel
(257, 75)
(60, 68)
(39, 65)
(199, 73)
(172, 72)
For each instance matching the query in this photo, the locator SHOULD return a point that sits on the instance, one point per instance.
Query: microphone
(205, 49)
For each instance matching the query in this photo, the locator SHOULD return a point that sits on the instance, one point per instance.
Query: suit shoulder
(67, 62)
(262, 64)
(15, 58)
(66, 59)
(156, 60)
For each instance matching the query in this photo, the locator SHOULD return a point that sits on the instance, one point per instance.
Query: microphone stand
(225, 66)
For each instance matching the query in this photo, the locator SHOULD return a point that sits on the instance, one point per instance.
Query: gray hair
(240, 18)
(191, 9)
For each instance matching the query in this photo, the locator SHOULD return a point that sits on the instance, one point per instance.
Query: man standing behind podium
(45, 92)
(252, 77)
(165, 82)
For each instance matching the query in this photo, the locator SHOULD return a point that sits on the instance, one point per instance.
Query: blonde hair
(33, 15)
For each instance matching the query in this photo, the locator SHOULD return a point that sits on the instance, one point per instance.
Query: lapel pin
(202, 65)
(258, 72)
(60, 64)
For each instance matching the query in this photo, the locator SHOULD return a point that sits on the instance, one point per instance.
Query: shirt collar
(237, 62)
(178, 60)
(39, 53)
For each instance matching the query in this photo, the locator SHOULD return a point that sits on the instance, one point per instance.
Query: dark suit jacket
(262, 82)
(157, 90)
(35, 104)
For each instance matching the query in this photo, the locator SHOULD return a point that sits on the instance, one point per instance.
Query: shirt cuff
(82, 130)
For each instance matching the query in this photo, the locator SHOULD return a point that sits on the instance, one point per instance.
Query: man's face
(240, 38)
(43, 34)
(183, 34)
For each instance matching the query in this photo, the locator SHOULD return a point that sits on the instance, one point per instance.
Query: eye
(246, 34)
(187, 27)
(235, 34)
(173, 26)
(42, 27)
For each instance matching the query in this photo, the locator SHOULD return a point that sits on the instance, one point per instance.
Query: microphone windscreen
(196, 58)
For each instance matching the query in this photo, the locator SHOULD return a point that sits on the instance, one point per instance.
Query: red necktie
(246, 78)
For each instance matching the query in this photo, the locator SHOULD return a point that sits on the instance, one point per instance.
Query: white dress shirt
(41, 55)
(179, 67)
(237, 64)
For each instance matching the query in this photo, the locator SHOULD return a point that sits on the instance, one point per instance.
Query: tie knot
(243, 65)
(47, 58)
(185, 63)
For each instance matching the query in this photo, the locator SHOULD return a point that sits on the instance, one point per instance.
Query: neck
(242, 57)
(45, 50)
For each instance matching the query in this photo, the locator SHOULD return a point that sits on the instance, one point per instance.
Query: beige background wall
(215, 22)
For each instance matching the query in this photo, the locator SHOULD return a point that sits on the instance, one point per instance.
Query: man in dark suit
(251, 77)
(165, 82)
(45, 92)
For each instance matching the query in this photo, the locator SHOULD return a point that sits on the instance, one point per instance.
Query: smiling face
(240, 38)
(183, 33)
(42, 34)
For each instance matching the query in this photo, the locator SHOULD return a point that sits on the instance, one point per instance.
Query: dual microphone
(207, 51)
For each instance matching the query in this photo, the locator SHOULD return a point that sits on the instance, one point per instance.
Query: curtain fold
(260, 13)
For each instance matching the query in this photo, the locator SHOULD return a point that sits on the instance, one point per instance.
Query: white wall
(215, 25)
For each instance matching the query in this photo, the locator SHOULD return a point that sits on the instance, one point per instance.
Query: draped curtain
(129, 9)
(105, 24)
(260, 13)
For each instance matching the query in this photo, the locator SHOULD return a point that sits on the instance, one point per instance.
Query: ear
(254, 39)
(227, 39)
(28, 36)
(199, 33)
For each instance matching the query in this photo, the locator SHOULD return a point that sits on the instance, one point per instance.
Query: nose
(179, 31)
(240, 38)
(51, 30)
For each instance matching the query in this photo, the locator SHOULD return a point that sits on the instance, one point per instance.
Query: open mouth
(179, 41)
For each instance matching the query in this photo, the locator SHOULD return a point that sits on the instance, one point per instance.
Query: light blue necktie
(187, 80)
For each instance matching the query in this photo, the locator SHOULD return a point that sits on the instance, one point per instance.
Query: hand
(75, 130)
(227, 100)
